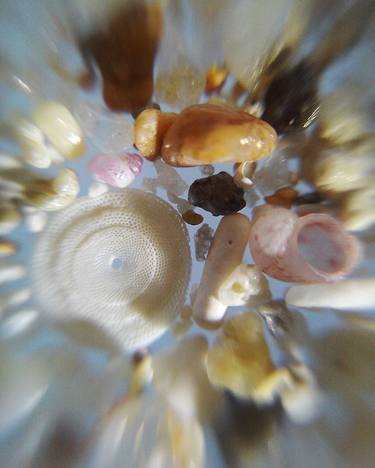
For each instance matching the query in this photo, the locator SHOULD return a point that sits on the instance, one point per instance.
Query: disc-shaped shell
(121, 260)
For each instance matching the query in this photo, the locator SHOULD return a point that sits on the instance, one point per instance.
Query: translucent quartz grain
(116, 170)
(180, 86)
(202, 239)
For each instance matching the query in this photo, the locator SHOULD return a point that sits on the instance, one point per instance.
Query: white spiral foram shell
(121, 260)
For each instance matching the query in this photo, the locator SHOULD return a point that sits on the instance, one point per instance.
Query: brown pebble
(283, 197)
(217, 194)
(149, 129)
(125, 54)
(193, 218)
(215, 78)
(208, 134)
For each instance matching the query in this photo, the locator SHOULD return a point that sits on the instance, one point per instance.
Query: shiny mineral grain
(209, 134)
(217, 194)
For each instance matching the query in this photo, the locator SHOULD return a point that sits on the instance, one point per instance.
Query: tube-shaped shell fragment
(312, 248)
(225, 255)
(344, 295)
(209, 134)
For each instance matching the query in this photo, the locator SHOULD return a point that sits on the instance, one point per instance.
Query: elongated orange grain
(209, 134)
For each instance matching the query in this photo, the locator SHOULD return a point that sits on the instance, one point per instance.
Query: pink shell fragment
(308, 249)
(117, 171)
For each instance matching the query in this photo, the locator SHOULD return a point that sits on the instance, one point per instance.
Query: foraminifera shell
(121, 260)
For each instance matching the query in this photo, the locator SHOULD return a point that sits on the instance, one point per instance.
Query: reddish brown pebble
(217, 194)
(209, 134)
(215, 78)
(125, 54)
(193, 218)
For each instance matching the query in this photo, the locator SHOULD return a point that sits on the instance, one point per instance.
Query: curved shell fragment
(311, 248)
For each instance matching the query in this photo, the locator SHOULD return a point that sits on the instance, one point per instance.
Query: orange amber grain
(149, 129)
(215, 78)
(283, 197)
(209, 134)
(190, 217)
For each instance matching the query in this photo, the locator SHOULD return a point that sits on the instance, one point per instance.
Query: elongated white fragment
(11, 272)
(15, 299)
(225, 255)
(61, 128)
(9, 162)
(344, 295)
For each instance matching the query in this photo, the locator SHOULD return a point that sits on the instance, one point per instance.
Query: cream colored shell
(121, 260)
